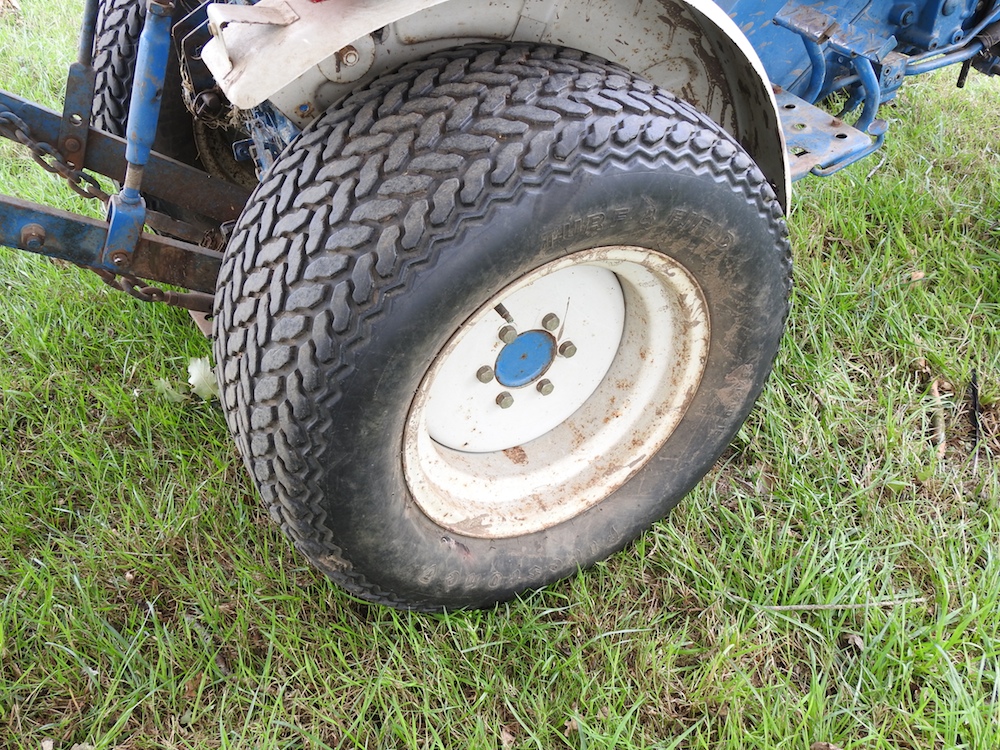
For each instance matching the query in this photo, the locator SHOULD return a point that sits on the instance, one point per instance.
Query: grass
(147, 601)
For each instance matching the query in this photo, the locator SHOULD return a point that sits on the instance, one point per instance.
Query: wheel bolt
(550, 322)
(484, 374)
(567, 349)
(545, 387)
(505, 400)
(508, 334)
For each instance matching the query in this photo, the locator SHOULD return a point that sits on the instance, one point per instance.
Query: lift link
(127, 209)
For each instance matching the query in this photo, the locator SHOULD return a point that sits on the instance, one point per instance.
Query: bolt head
(208, 104)
(567, 349)
(505, 400)
(545, 387)
(484, 374)
(550, 322)
(72, 144)
(32, 236)
(508, 334)
(119, 258)
(349, 56)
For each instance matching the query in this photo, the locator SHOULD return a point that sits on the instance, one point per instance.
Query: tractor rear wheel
(491, 317)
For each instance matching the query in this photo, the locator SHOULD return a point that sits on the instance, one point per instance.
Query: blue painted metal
(126, 218)
(878, 129)
(79, 240)
(935, 63)
(270, 132)
(164, 178)
(861, 47)
(75, 126)
(818, 141)
(147, 90)
(64, 235)
(818, 75)
(127, 210)
(525, 359)
(921, 28)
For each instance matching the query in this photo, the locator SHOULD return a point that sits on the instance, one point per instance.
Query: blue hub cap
(525, 358)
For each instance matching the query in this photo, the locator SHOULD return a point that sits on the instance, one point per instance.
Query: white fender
(303, 55)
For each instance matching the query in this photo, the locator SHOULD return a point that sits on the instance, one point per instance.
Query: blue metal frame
(80, 240)
(163, 177)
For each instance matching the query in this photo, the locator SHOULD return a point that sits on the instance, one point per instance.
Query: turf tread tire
(292, 310)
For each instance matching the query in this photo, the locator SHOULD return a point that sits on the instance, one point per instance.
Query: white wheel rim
(501, 454)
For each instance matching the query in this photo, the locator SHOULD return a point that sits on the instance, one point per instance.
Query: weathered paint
(690, 47)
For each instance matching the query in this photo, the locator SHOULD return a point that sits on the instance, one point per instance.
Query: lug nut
(32, 236)
(550, 322)
(508, 334)
(545, 387)
(505, 400)
(484, 374)
(567, 349)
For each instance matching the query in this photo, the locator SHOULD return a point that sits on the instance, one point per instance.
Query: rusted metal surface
(174, 262)
(196, 302)
(165, 178)
(78, 239)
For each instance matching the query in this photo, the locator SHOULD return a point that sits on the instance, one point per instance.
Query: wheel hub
(525, 359)
(522, 366)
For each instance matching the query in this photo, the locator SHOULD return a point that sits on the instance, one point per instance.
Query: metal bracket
(79, 240)
(75, 126)
(222, 15)
(127, 210)
(865, 51)
(164, 178)
(817, 141)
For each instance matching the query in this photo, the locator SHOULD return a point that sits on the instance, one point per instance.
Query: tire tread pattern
(116, 46)
(447, 141)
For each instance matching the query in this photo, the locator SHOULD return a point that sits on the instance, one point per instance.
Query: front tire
(477, 211)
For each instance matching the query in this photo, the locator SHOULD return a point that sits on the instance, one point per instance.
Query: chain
(13, 127)
(197, 301)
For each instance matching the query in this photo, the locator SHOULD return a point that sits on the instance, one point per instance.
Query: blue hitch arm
(127, 209)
